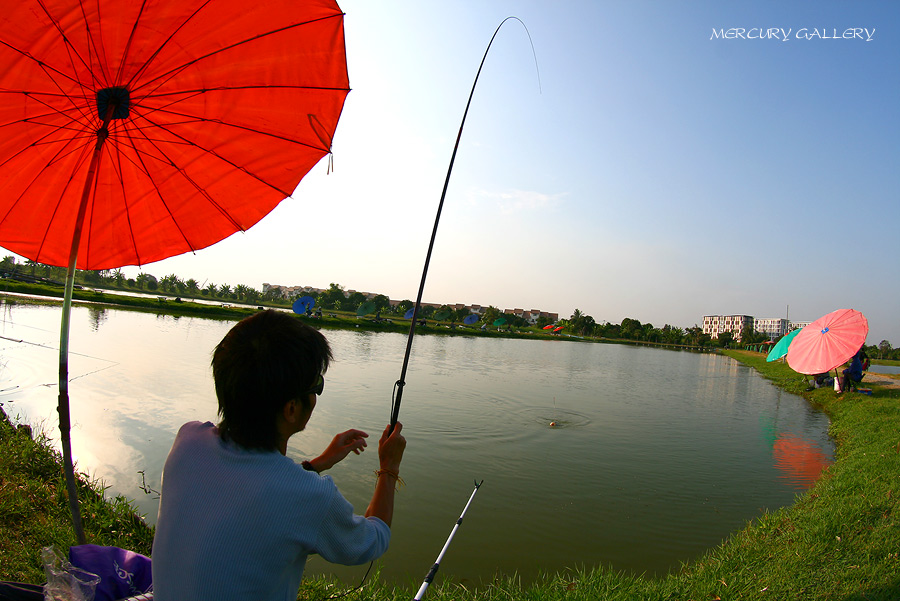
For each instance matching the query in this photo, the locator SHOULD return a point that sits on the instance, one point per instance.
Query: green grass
(34, 508)
(893, 362)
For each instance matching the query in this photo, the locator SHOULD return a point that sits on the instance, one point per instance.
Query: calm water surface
(656, 457)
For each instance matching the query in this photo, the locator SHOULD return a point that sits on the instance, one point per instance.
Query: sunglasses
(318, 386)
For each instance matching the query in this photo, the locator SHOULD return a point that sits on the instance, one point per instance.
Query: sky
(632, 163)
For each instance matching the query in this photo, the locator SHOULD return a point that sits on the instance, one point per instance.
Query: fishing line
(56, 348)
(398, 387)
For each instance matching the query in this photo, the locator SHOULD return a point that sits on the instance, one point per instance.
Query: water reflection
(96, 316)
(800, 461)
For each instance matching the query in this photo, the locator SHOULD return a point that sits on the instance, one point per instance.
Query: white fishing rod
(429, 578)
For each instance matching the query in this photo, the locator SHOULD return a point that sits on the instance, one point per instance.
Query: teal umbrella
(365, 308)
(781, 347)
(499, 321)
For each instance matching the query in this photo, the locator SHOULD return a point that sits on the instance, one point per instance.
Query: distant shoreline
(332, 319)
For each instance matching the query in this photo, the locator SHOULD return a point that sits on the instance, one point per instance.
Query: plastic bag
(122, 573)
(65, 582)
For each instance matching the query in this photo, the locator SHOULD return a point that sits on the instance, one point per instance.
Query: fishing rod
(437, 563)
(398, 386)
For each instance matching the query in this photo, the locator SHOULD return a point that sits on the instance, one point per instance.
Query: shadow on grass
(891, 592)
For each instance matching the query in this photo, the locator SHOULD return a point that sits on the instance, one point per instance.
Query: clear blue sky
(651, 172)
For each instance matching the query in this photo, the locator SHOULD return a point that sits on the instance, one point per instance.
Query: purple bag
(122, 573)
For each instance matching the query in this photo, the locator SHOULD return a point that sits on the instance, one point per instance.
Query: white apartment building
(773, 327)
(717, 324)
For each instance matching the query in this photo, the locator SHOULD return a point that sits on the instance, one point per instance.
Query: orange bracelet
(392, 474)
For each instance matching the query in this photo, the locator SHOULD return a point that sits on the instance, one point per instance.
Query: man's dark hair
(264, 362)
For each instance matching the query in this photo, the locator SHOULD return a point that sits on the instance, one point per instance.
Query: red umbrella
(135, 131)
(828, 342)
(550, 327)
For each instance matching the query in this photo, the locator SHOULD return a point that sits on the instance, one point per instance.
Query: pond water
(656, 456)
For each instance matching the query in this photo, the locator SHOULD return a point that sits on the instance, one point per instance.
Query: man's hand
(390, 454)
(391, 447)
(341, 446)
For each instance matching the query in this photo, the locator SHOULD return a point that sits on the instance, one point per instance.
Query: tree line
(336, 298)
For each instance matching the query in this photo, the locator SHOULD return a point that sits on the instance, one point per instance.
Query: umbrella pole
(63, 406)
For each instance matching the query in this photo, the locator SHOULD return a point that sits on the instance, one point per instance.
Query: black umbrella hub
(119, 97)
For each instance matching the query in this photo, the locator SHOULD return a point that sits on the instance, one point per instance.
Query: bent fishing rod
(429, 578)
(398, 386)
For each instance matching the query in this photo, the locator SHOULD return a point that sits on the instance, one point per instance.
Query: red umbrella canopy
(828, 342)
(220, 107)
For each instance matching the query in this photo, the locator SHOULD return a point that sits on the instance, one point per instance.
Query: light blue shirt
(239, 524)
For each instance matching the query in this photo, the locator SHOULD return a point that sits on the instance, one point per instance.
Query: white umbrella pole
(63, 406)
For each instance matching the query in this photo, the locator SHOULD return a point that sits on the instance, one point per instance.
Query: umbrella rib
(52, 111)
(192, 119)
(43, 65)
(70, 50)
(128, 45)
(43, 141)
(81, 110)
(233, 164)
(152, 57)
(162, 78)
(80, 161)
(218, 156)
(92, 48)
(115, 160)
(199, 188)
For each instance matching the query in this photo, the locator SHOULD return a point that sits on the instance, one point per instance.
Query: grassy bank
(34, 507)
(840, 540)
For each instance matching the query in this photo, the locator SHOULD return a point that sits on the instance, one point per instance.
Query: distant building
(289, 292)
(773, 327)
(713, 325)
(532, 315)
(796, 325)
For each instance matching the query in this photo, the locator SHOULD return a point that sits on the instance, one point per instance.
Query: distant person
(822, 380)
(237, 518)
(853, 375)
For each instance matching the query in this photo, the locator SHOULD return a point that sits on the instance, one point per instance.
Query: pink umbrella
(828, 342)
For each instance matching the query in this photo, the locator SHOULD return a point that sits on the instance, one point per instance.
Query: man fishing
(237, 518)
